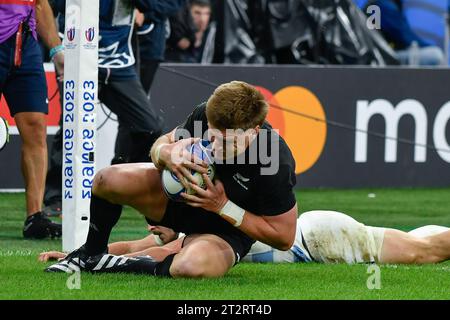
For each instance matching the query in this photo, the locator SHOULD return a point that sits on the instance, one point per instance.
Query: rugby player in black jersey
(250, 199)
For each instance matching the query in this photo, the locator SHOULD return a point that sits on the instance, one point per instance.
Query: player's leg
(203, 256)
(26, 94)
(403, 248)
(148, 70)
(32, 128)
(122, 147)
(136, 185)
(334, 237)
(440, 244)
(3, 70)
(139, 124)
(427, 231)
(25, 91)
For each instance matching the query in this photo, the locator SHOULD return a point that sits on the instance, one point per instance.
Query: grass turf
(22, 276)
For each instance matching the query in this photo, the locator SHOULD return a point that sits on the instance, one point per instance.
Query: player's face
(201, 17)
(230, 143)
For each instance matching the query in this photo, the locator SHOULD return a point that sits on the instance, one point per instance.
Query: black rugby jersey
(244, 184)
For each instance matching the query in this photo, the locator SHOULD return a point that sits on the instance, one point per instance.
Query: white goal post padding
(79, 117)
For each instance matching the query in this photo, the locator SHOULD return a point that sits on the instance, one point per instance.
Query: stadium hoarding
(324, 114)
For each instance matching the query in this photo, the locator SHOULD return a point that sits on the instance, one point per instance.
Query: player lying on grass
(322, 236)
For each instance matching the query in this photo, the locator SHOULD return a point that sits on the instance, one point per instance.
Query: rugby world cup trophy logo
(90, 34)
(71, 34)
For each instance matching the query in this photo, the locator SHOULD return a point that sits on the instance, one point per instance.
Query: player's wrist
(232, 213)
(59, 49)
(159, 163)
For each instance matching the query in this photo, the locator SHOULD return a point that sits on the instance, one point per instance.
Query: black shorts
(184, 218)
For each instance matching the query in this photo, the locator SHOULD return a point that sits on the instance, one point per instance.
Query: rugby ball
(4, 133)
(172, 185)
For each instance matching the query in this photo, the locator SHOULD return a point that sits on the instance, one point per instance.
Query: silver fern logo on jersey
(241, 180)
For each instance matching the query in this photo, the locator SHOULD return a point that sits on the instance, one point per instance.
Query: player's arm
(116, 248)
(46, 26)
(277, 231)
(161, 142)
(125, 247)
(161, 236)
(51, 255)
(46, 29)
(159, 253)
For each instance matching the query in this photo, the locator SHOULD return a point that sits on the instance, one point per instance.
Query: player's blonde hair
(236, 105)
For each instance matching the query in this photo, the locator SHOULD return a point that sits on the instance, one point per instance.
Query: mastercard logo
(306, 137)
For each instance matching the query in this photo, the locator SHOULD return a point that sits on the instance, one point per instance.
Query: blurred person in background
(410, 48)
(192, 34)
(153, 31)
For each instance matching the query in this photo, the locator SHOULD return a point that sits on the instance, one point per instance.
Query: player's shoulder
(285, 153)
(278, 147)
(194, 125)
(199, 112)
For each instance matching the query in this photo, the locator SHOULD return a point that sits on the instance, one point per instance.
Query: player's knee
(190, 267)
(34, 122)
(103, 181)
(34, 131)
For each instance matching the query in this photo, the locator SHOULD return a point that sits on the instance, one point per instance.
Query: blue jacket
(152, 35)
(116, 27)
(395, 26)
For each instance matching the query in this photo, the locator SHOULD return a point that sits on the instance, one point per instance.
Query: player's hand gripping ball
(4, 133)
(172, 185)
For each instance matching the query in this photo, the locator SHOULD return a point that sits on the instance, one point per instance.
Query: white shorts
(333, 237)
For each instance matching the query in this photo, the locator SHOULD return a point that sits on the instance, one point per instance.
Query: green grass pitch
(22, 276)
